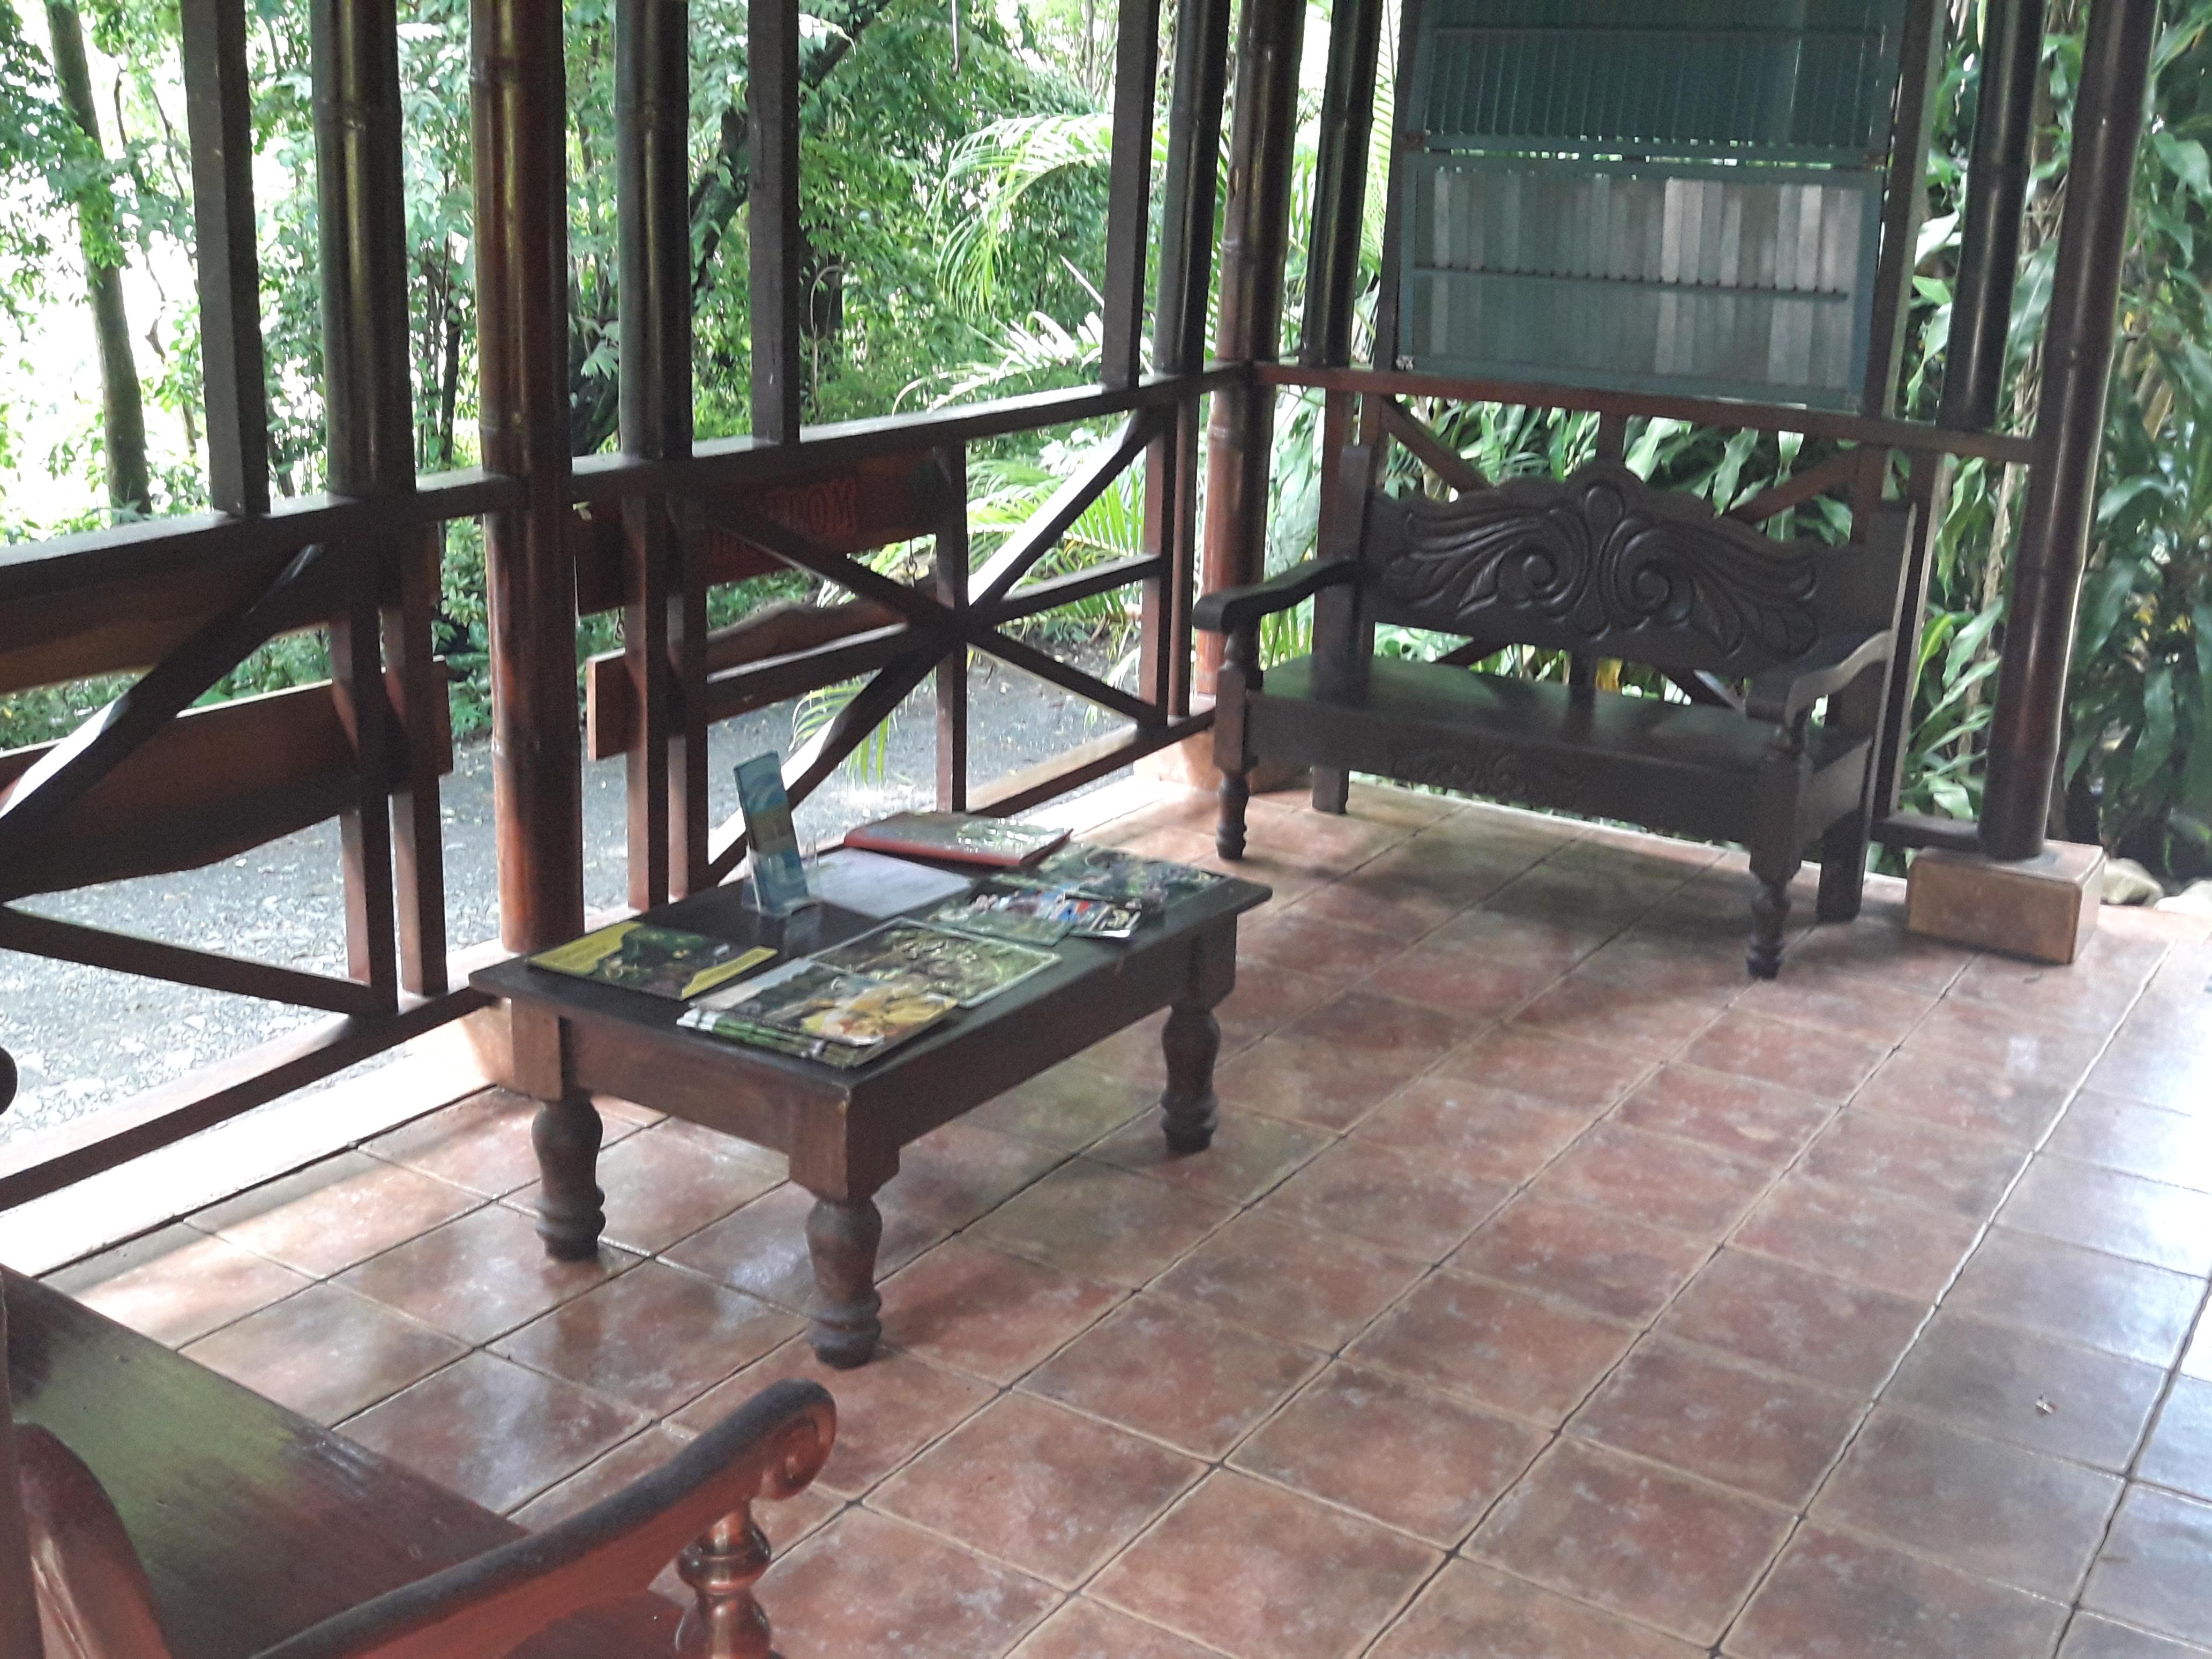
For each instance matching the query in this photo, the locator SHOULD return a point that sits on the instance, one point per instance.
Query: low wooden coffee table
(843, 1130)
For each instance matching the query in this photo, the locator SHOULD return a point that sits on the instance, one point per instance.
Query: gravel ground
(84, 1038)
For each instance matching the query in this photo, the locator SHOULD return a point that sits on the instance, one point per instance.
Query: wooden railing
(150, 783)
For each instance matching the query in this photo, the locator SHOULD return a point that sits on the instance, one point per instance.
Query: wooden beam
(2024, 742)
(774, 236)
(361, 219)
(774, 631)
(739, 691)
(214, 782)
(1042, 533)
(1195, 100)
(357, 691)
(520, 155)
(127, 953)
(804, 771)
(1838, 470)
(1340, 210)
(417, 681)
(1087, 763)
(952, 578)
(70, 770)
(1049, 595)
(1440, 458)
(1129, 192)
(720, 464)
(147, 547)
(219, 118)
(1904, 201)
(36, 1166)
(1910, 435)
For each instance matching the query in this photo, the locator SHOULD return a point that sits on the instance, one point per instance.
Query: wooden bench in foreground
(168, 1513)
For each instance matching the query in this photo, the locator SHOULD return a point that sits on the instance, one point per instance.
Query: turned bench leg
(1229, 831)
(842, 1237)
(1843, 870)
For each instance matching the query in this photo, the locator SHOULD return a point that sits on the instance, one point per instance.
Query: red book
(958, 838)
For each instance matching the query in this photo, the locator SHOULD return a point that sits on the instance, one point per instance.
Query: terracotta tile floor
(1551, 1292)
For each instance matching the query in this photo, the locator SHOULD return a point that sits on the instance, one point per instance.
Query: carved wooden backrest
(1605, 564)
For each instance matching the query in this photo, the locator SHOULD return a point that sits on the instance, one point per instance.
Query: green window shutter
(1649, 195)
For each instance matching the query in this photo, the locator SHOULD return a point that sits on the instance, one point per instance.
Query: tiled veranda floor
(1550, 1293)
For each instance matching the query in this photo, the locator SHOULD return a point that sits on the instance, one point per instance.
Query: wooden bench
(166, 1511)
(1606, 567)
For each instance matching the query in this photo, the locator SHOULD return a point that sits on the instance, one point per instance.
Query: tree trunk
(123, 414)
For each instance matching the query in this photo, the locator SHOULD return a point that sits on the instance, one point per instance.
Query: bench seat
(1687, 768)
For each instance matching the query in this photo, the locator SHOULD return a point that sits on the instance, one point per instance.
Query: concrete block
(2042, 909)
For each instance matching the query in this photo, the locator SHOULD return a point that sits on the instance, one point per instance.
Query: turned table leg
(1191, 1040)
(566, 1136)
(842, 1237)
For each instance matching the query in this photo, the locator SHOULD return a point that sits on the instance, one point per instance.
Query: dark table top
(1083, 984)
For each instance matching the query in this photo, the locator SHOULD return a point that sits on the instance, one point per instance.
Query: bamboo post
(2046, 587)
(521, 251)
(1998, 177)
(1239, 437)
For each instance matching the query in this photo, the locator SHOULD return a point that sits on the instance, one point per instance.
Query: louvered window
(1661, 195)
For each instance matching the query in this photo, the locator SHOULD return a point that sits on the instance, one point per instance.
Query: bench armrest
(1785, 694)
(1234, 609)
(772, 1446)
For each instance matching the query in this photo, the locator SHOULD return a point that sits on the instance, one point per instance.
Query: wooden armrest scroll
(95, 1602)
(699, 1503)
(1786, 695)
(1235, 608)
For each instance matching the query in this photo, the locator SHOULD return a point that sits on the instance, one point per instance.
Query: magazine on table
(729, 1027)
(661, 962)
(966, 967)
(1030, 913)
(1129, 878)
(808, 1001)
(958, 838)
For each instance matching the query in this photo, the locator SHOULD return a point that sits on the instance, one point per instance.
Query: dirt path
(84, 1038)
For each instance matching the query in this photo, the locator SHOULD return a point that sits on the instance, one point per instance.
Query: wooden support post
(1347, 121)
(1195, 103)
(418, 856)
(1997, 178)
(362, 220)
(1904, 200)
(772, 52)
(1179, 321)
(2077, 365)
(364, 828)
(1239, 439)
(952, 670)
(1129, 191)
(521, 254)
(219, 116)
(18, 1600)
(1403, 140)
(665, 770)
(1928, 487)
